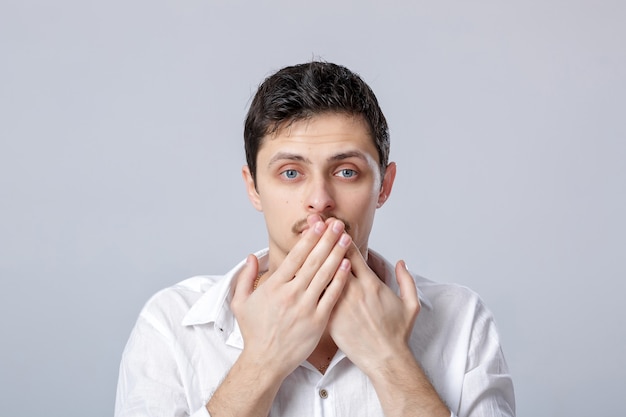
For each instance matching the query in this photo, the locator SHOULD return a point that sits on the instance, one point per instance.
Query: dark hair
(302, 91)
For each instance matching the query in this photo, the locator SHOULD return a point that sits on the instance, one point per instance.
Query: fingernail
(313, 218)
(337, 226)
(345, 264)
(344, 240)
(319, 227)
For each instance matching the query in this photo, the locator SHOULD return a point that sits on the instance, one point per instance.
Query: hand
(370, 323)
(283, 319)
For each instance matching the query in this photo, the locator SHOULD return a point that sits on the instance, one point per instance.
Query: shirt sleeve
(487, 384)
(202, 412)
(150, 384)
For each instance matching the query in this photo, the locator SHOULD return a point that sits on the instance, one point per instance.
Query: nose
(319, 197)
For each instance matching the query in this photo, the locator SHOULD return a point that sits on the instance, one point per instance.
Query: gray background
(120, 126)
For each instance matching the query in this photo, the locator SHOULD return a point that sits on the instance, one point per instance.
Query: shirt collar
(214, 305)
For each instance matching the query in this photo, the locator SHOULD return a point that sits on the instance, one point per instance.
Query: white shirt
(186, 339)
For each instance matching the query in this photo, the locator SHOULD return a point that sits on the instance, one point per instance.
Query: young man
(318, 324)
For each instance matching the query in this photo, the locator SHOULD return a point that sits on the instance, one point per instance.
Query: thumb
(245, 280)
(408, 289)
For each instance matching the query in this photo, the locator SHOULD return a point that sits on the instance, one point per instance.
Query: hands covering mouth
(302, 225)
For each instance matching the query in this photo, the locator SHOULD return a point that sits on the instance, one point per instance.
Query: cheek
(274, 198)
(359, 211)
(279, 209)
(360, 200)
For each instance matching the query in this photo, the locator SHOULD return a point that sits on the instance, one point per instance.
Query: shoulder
(445, 293)
(453, 304)
(457, 308)
(185, 292)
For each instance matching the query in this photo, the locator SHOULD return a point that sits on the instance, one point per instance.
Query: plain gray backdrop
(121, 150)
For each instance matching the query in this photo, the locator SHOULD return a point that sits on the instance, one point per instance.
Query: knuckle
(414, 309)
(289, 296)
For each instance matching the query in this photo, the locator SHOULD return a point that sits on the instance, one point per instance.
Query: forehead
(324, 133)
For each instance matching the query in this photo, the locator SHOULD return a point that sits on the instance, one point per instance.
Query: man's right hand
(283, 320)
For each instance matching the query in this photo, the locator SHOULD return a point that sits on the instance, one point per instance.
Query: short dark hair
(302, 91)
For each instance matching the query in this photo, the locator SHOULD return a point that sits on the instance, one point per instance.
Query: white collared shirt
(186, 339)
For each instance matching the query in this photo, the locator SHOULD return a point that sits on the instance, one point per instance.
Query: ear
(387, 185)
(253, 194)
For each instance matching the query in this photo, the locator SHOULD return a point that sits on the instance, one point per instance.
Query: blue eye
(347, 173)
(290, 173)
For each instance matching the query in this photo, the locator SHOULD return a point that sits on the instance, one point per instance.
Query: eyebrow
(282, 156)
(347, 155)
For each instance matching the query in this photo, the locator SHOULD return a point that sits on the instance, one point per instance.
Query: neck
(323, 353)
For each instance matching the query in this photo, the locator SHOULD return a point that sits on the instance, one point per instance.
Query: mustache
(300, 225)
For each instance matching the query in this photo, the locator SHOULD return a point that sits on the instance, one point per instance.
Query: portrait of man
(318, 323)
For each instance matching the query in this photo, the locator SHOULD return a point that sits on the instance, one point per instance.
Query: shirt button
(323, 393)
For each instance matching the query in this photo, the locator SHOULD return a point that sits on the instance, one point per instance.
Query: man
(318, 324)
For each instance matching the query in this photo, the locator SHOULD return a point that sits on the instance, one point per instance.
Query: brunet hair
(303, 91)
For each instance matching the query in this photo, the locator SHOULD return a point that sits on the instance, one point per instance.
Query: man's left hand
(370, 323)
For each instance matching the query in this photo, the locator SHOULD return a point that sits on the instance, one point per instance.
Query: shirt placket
(324, 399)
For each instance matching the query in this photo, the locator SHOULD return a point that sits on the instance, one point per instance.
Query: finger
(408, 289)
(324, 275)
(334, 289)
(300, 252)
(313, 218)
(245, 281)
(359, 264)
(335, 242)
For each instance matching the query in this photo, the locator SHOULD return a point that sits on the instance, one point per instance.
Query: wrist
(249, 375)
(402, 386)
(385, 362)
(262, 368)
(386, 366)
